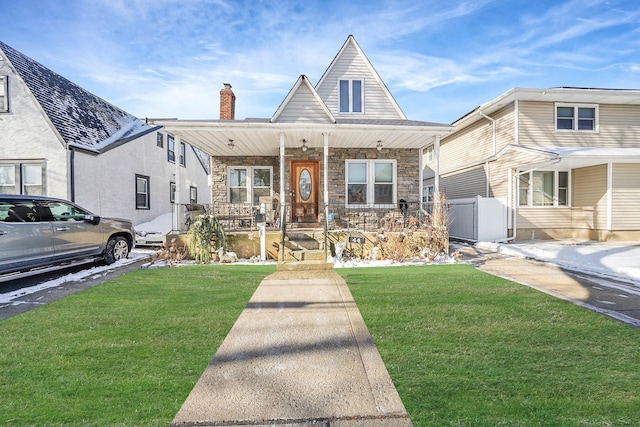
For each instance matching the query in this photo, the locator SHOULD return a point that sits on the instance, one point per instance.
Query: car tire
(117, 249)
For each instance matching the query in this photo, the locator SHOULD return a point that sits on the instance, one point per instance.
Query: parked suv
(38, 233)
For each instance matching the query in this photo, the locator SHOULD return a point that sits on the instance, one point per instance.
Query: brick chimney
(227, 103)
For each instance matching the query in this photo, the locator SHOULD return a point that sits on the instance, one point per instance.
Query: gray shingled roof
(82, 119)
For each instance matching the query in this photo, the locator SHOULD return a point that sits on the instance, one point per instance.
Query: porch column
(609, 196)
(176, 176)
(325, 196)
(420, 176)
(283, 197)
(436, 183)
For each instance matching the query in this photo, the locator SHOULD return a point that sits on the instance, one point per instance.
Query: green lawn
(125, 353)
(468, 349)
(463, 348)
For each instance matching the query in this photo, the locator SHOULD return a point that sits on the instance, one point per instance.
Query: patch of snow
(618, 260)
(93, 272)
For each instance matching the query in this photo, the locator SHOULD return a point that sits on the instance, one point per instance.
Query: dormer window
(351, 96)
(4, 98)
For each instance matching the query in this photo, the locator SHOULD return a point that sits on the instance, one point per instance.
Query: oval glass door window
(305, 185)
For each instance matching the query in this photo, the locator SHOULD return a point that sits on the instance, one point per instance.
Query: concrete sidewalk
(298, 355)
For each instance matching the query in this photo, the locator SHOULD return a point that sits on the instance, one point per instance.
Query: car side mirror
(92, 219)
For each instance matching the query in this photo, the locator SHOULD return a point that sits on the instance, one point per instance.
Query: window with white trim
(171, 148)
(183, 154)
(143, 197)
(544, 188)
(193, 194)
(351, 96)
(581, 117)
(172, 192)
(427, 193)
(246, 184)
(430, 153)
(370, 182)
(22, 178)
(160, 140)
(4, 94)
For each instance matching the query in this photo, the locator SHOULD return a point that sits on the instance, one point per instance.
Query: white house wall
(105, 183)
(352, 66)
(26, 135)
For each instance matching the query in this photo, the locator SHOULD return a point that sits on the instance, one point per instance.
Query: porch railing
(369, 218)
(366, 218)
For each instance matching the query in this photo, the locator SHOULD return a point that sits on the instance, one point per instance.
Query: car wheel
(117, 249)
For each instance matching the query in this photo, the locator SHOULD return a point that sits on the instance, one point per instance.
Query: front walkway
(299, 354)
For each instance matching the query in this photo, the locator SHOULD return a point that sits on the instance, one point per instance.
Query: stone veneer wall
(407, 171)
(219, 173)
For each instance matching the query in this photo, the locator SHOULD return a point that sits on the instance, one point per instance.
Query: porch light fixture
(379, 146)
(230, 144)
(304, 145)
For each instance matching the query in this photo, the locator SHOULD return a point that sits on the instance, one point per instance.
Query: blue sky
(440, 59)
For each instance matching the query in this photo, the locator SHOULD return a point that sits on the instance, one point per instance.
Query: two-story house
(59, 140)
(341, 150)
(565, 162)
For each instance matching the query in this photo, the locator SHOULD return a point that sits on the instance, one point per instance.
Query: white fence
(478, 219)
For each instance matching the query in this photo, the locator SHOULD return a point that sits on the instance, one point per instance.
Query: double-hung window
(430, 154)
(580, 117)
(22, 178)
(544, 188)
(427, 193)
(171, 148)
(142, 192)
(160, 139)
(183, 154)
(370, 182)
(172, 192)
(193, 194)
(351, 96)
(4, 94)
(248, 183)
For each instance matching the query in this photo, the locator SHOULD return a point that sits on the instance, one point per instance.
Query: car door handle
(62, 228)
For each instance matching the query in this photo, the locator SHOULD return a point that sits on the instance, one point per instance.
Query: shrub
(206, 235)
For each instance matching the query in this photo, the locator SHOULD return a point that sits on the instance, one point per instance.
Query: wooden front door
(305, 188)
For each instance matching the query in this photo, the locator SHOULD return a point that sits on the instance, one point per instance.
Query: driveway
(31, 292)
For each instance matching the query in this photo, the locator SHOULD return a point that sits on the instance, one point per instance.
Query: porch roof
(261, 137)
(579, 157)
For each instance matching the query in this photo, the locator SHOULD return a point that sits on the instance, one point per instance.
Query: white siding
(626, 196)
(351, 65)
(105, 184)
(25, 134)
(303, 107)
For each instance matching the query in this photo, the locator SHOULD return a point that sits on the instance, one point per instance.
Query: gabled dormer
(351, 87)
(303, 104)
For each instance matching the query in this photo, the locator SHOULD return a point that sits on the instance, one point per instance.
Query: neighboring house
(58, 140)
(337, 150)
(565, 162)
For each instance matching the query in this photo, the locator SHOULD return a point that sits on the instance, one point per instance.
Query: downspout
(495, 149)
(493, 130)
(72, 173)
